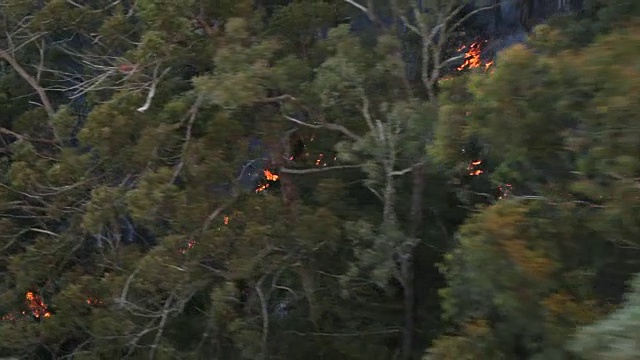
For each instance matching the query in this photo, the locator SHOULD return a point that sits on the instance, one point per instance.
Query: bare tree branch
(357, 6)
(152, 90)
(193, 112)
(317, 170)
(163, 321)
(328, 126)
(125, 290)
(46, 104)
(265, 316)
(405, 170)
(21, 137)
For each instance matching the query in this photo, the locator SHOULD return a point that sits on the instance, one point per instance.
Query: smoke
(510, 15)
(505, 27)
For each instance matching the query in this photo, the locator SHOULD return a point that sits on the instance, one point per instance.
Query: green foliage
(614, 336)
(127, 228)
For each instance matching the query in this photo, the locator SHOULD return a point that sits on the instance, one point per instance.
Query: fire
(37, 306)
(488, 64)
(39, 309)
(192, 243)
(94, 301)
(190, 246)
(321, 160)
(269, 176)
(262, 188)
(472, 168)
(473, 58)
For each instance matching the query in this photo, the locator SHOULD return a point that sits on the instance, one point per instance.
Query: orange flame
(192, 243)
(270, 177)
(37, 306)
(488, 64)
(472, 168)
(472, 58)
(39, 309)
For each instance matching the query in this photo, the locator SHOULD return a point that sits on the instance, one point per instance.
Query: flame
(190, 246)
(94, 301)
(192, 243)
(473, 56)
(39, 309)
(37, 306)
(488, 64)
(269, 176)
(472, 168)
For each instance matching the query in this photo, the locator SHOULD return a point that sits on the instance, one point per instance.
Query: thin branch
(358, 6)
(46, 104)
(366, 113)
(21, 137)
(42, 231)
(276, 99)
(406, 170)
(214, 214)
(136, 339)
(193, 112)
(163, 321)
(152, 90)
(317, 170)
(363, 333)
(265, 316)
(470, 14)
(125, 290)
(325, 125)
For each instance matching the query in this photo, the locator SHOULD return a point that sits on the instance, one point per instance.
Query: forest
(319, 179)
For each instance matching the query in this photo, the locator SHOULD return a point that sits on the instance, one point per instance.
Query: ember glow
(473, 56)
(192, 243)
(189, 246)
(270, 177)
(39, 309)
(94, 301)
(473, 168)
(504, 190)
(37, 306)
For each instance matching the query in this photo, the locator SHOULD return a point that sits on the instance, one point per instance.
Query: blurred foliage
(256, 180)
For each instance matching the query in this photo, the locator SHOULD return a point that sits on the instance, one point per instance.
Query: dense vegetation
(234, 179)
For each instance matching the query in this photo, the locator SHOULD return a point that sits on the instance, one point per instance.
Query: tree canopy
(318, 179)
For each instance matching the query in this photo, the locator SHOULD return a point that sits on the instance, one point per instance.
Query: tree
(613, 336)
(543, 151)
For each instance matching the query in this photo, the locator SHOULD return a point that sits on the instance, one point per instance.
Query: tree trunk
(407, 268)
(308, 284)
(409, 297)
